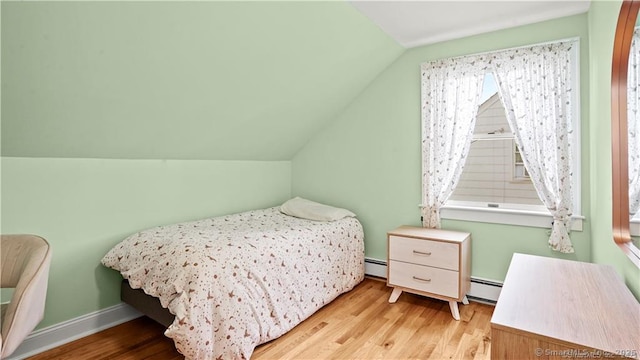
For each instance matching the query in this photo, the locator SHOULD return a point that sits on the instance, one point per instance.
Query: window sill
(504, 216)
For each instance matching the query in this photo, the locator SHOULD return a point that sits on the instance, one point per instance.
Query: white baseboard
(67, 331)
(375, 267)
(482, 290)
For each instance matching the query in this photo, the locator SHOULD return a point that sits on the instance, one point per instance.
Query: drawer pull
(422, 253)
(421, 279)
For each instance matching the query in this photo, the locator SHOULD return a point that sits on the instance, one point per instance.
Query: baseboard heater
(482, 290)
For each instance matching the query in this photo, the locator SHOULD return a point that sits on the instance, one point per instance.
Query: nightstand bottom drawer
(424, 278)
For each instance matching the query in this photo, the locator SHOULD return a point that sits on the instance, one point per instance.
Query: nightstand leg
(395, 294)
(465, 300)
(454, 309)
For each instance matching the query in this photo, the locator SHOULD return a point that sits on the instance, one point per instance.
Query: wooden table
(557, 309)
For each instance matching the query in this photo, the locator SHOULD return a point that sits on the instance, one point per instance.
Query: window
(495, 185)
(494, 175)
(520, 172)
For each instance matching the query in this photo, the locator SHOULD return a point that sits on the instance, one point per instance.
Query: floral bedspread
(237, 281)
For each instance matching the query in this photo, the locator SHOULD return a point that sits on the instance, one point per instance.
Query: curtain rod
(571, 39)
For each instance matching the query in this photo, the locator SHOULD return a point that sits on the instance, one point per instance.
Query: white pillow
(307, 209)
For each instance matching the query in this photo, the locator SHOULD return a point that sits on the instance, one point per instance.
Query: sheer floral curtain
(633, 119)
(451, 91)
(536, 85)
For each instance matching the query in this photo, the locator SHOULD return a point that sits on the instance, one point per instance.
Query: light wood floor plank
(361, 324)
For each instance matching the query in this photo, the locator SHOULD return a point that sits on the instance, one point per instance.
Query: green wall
(216, 80)
(368, 158)
(603, 17)
(85, 206)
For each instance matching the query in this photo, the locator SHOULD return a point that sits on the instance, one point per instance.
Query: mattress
(236, 281)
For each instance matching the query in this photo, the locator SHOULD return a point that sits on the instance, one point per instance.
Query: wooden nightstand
(430, 262)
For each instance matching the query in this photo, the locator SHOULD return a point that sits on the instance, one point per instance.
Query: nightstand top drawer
(430, 234)
(440, 254)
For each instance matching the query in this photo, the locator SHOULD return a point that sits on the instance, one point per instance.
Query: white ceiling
(422, 22)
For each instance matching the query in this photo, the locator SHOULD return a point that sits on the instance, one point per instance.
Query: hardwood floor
(358, 325)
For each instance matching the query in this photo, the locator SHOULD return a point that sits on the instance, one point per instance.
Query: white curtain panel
(633, 122)
(451, 91)
(536, 85)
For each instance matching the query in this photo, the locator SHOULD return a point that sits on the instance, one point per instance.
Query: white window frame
(531, 215)
(634, 225)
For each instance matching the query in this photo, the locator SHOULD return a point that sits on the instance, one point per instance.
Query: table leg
(395, 294)
(454, 309)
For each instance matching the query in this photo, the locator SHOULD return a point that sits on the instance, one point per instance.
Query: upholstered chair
(25, 267)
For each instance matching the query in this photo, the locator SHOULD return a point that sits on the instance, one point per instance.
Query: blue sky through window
(489, 87)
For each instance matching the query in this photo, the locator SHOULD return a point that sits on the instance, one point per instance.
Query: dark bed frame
(146, 304)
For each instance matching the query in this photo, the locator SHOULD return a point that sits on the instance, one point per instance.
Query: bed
(233, 282)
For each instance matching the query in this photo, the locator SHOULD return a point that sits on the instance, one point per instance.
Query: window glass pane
(494, 172)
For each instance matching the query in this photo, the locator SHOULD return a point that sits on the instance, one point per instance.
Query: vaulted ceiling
(415, 23)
